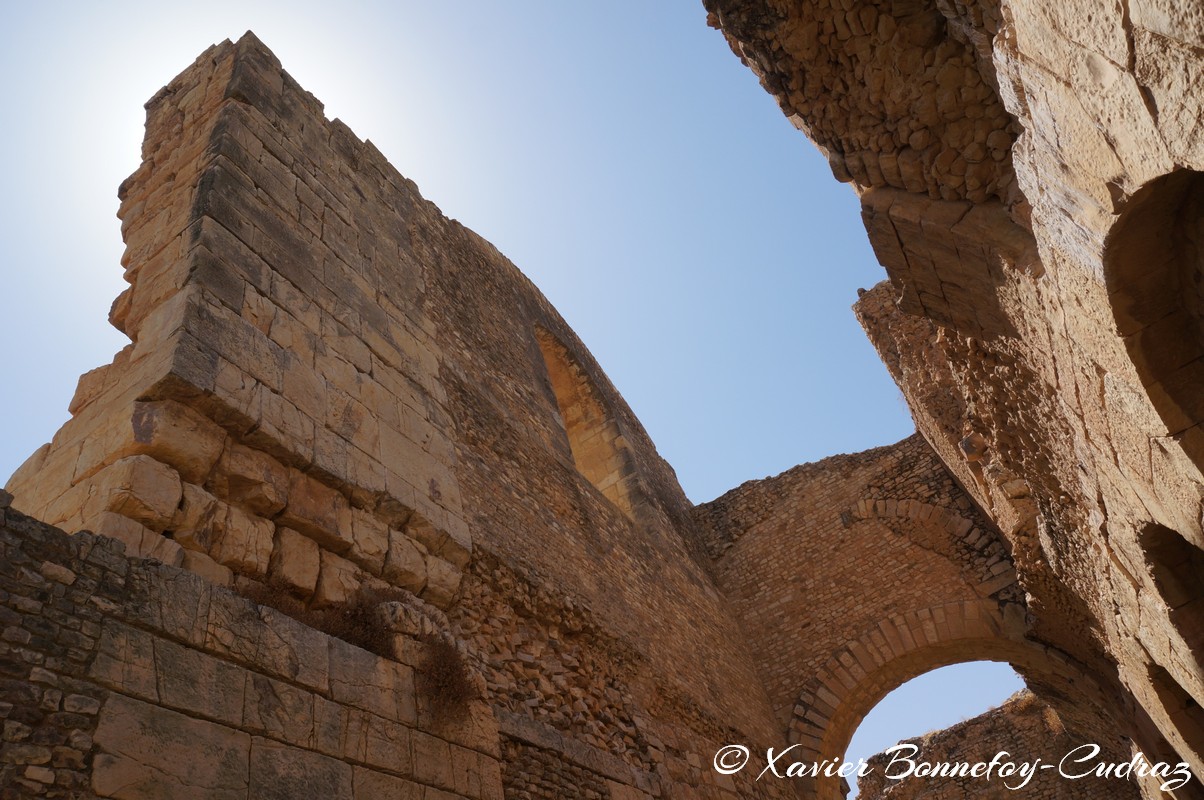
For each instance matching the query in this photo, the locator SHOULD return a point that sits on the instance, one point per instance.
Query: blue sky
(617, 152)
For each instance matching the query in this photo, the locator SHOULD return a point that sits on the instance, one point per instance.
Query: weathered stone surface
(338, 580)
(140, 488)
(404, 566)
(138, 539)
(245, 543)
(295, 561)
(332, 385)
(279, 772)
(149, 752)
(177, 435)
(207, 568)
(251, 479)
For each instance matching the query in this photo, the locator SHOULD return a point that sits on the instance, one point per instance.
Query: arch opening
(838, 697)
(1154, 270)
(932, 701)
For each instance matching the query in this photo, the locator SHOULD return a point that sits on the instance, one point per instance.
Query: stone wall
(332, 387)
(1046, 337)
(1024, 728)
(857, 573)
(128, 678)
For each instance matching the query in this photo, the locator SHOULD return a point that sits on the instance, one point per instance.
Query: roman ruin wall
(1041, 315)
(1024, 728)
(339, 404)
(333, 389)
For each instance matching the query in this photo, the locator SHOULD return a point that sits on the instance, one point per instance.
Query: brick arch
(856, 677)
(982, 552)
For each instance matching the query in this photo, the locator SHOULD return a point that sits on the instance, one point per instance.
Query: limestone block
(370, 541)
(338, 580)
(295, 561)
(175, 434)
(138, 487)
(251, 479)
(456, 549)
(199, 519)
(207, 568)
(125, 661)
(319, 512)
(148, 753)
(370, 785)
(278, 709)
(292, 650)
(245, 543)
(371, 683)
(405, 565)
(199, 684)
(432, 761)
(443, 580)
(387, 745)
(280, 772)
(139, 540)
(1180, 21)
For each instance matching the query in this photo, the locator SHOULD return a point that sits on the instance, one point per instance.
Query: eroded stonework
(1047, 340)
(1023, 728)
(332, 389)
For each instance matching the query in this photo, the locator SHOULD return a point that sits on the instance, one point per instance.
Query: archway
(934, 701)
(859, 675)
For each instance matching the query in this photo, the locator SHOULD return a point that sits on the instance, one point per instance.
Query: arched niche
(1154, 271)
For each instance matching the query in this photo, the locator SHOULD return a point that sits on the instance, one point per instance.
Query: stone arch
(1154, 271)
(983, 553)
(858, 675)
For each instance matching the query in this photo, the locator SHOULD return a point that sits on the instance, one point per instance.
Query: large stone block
(138, 487)
(338, 580)
(245, 543)
(149, 753)
(139, 540)
(296, 561)
(175, 434)
(251, 479)
(319, 512)
(443, 581)
(280, 772)
(405, 565)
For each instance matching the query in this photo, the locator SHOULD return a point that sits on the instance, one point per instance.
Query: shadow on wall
(1154, 270)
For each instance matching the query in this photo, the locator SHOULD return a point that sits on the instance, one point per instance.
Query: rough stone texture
(1023, 727)
(1048, 337)
(330, 387)
(131, 679)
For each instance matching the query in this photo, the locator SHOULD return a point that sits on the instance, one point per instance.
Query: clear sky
(617, 152)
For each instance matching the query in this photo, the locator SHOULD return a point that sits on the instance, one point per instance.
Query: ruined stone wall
(130, 679)
(332, 387)
(823, 553)
(1024, 728)
(1046, 337)
(857, 573)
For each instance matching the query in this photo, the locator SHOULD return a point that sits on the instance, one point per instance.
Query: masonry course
(333, 388)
